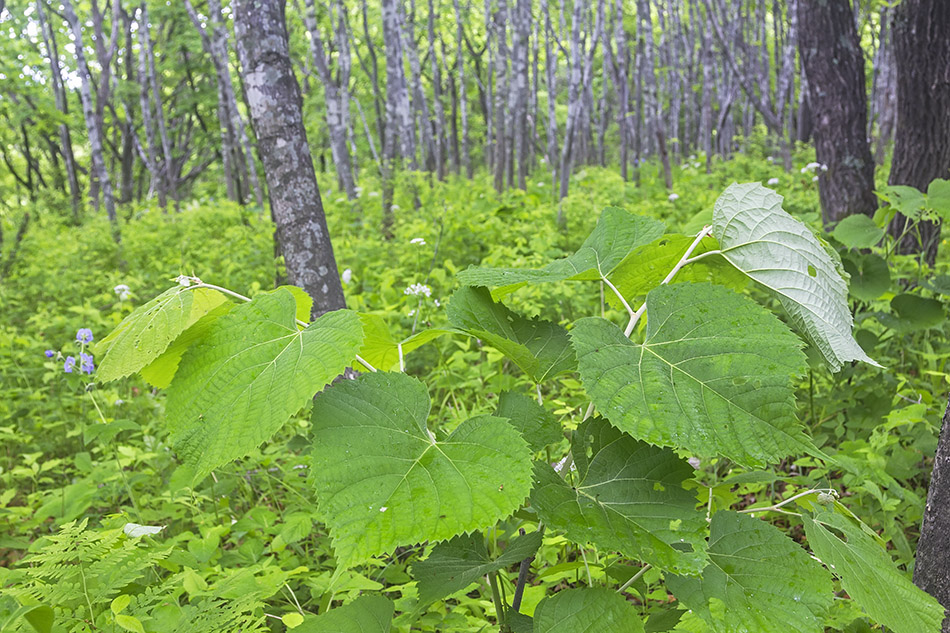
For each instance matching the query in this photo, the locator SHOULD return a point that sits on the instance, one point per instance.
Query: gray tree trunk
(463, 91)
(335, 97)
(62, 104)
(274, 100)
(92, 124)
(932, 568)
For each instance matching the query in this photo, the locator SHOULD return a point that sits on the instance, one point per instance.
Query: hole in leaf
(811, 271)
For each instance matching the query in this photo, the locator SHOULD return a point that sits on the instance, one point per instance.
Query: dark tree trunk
(273, 97)
(922, 138)
(932, 569)
(834, 64)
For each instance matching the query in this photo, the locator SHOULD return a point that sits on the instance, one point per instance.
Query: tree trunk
(92, 124)
(834, 64)
(275, 104)
(922, 137)
(932, 569)
(462, 92)
(62, 104)
(335, 100)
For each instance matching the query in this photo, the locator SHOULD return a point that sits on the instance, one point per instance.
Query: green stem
(634, 578)
(500, 614)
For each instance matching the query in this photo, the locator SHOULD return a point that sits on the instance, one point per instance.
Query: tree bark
(932, 569)
(62, 104)
(834, 64)
(335, 100)
(92, 124)
(922, 137)
(274, 100)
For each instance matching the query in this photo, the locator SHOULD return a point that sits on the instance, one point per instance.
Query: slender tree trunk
(883, 89)
(652, 99)
(438, 127)
(92, 124)
(62, 104)
(521, 28)
(169, 170)
(834, 63)
(335, 101)
(574, 107)
(277, 117)
(550, 79)
(501, 150)
(922, 137)
(462, 90)
(399, 127)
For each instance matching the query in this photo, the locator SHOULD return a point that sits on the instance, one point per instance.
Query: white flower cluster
(673, 197)
(416, 290)
(418, 240)
(813, 166)
(773, 181)
(346, 276)
(122, 291)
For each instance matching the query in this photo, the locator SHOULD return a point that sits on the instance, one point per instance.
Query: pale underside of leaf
(253, 370)
(627, 497)
(765, 581)
(713, 375)
(382, 480)
(759, 238)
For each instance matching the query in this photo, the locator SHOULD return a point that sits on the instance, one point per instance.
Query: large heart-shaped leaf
(150, 329)
(766, 581)
(366, 614)
(759, 238)
(627, 496)
(869, 576)
(870, 275)
(616, 234)
(713, 375)
(252, 371)
(858, 231)
(160, 372)
(383, 480)
(537, 426)
(455, 565)
(593, 610)
(540, 348)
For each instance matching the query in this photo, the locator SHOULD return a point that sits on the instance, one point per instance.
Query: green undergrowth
(247, 550)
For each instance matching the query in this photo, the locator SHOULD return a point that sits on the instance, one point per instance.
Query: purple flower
(49, 353)
(86, 365)
(69, 364)
(84, 335)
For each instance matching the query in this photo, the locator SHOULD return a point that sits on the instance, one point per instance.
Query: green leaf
(644, 269)
(382, 480)
(779, 252)
(616, 234)
(40, 617)
(252, 371)
(536, 425)
(594, 610)
(540, 348)
(293, 619)
(870, 577)
(713, 375)
(916, 312)
(461, 562)
(938, 197)
(160, 372)
(907, 200)
(766, 581)
(870, 275)
(366, 614)
(626, 496)
(130, 623)
(381, 350)
(150, 329)
(858, 231)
